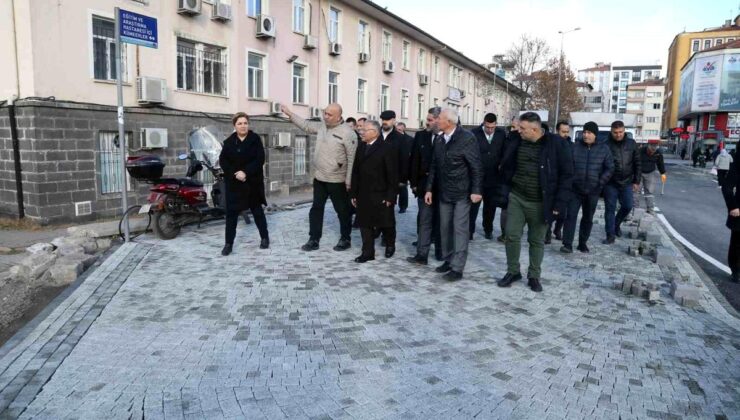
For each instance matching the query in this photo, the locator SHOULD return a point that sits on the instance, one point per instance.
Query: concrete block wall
(8, 203)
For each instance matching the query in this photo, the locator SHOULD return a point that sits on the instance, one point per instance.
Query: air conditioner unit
(265, 26)
(153, 138)
(315, 113)
(389, 66)
(309, 42)
(363, 57)
(274, 108)
(335, 48)
(283, 140)
(189, 7)
(221, 11)
(423, 79)
(151, 90)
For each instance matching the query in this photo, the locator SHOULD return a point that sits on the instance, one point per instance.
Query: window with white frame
(712, 122)
(333, 87)
(109, 162)
(334, 24)
(104, 50)
(299, 16)
(254, 8)
(695, 45)
(651, 119)
(471, 82)
(387, 45)
(422, 61)
(385, 97)
(436, 69)
(361, 95)
(201, 68)
(707, 44)
(656, 106)
(363, 37)
(299, 158)
(420, 106)
(435, 101)
(406, 55)
(299, 83)
(718, 42)
(466, 114)
(255, 75)
(455, 77)
(404, 103)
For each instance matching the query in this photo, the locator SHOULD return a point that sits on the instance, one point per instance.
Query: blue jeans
(612, 194)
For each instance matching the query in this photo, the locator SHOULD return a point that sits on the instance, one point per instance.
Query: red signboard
(691, 129)
(677, 130)
(684, 136)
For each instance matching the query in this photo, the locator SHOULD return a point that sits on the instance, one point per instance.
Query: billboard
(729, 97)
(707, 80)
(687, 89)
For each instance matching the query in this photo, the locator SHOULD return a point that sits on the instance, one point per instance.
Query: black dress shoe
(389, 251)
(227, 250)
(363, 259)
(438, 255)
(453, 276)
(311, 245)
(583, 248)
(566, 249)
(618, 232)
(508, 279)
(489, 235)
(609, 240)
(418, 259)
(548, 238)
(558, 235)
(265, 243)
(443, 268)
(534, 284)
(343, 245)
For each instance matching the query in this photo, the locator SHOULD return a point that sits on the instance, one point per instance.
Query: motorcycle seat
(183, 182)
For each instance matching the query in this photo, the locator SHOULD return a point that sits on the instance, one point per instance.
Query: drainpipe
(14, 126)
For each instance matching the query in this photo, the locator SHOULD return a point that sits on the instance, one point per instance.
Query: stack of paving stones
(170, 329)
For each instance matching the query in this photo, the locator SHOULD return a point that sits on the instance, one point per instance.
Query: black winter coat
(248, 156)
(456, 167)
(491, 154)
(649, 163)
(731, 193)
(405, 155)
(374, 180)
(421, 160)
(396, 139)
(556, 172)
(626, 161)
(593, 167)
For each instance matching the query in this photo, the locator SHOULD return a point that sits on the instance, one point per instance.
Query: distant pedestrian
(407, 143)
(562, 129)
(731, 193)
(491, 140)
(683, 153)
(722, 163)
(624, 182)
(539, 176)
(652, 167)
(332, 162)
(695, 156)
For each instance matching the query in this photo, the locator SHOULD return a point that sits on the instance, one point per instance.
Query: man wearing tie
(491, 141)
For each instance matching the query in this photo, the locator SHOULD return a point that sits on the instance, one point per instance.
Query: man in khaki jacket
(332, 161)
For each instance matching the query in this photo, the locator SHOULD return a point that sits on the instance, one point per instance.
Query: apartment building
(645, 100)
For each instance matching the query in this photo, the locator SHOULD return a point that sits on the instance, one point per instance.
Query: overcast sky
(623, 32)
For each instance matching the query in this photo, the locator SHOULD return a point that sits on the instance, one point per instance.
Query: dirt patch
(20, 303)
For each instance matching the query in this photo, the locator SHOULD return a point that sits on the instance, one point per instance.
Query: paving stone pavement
(170, 329)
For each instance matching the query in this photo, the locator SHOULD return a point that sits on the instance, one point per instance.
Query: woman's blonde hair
(238, 115)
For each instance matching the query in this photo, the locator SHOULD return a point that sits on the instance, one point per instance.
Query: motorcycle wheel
(165, 225)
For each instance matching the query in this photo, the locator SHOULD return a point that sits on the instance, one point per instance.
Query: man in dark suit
(405, 156)
(374, 189)
(427, 221)
(562, 129)
(491, 140)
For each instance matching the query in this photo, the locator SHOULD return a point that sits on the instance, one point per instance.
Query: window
(625, 75)
(455, 77)
(406, 55)
(299, 16)
(361, 95)
(622, 93)
(404, 103)
(255, 76)
(420, 107)
(435, 101)
(471, 82)
(334, 24)
(718, 42)
(363, 38)
(466, 114)
(110, 162)
(201, 68)
(656, 106)
(436, 69)
(730, 40)
(712, 122)
(623, 84)
(422, 61)
(299, 157)
(651, 119)
(639, 119)
(707, 44)
(385, 97)
(299, 84)
(387, 45)
(254, 8)
(333, 87)
(104, 50)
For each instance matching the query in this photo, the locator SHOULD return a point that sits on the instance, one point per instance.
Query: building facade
(683, 46)
(645, 100)
(599, 78)
(214, 57)
(622, 76)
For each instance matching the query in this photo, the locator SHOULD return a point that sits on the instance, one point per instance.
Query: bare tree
(529, 54)
(544, 91)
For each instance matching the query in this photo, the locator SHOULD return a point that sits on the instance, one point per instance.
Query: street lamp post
(560, 70)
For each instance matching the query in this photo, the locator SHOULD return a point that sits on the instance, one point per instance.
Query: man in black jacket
(405, 155)
(562, 129)
(457, 170)
(391, 136)
(653, 171)
(491, 140)
(539, 175)
(624, 182)
(593, 166)
(427, 220)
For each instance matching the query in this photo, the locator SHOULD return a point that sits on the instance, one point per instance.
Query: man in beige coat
(332, 161)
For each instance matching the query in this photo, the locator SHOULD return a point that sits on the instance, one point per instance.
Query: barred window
(201, 68)
(104, 50)
(109, 162)
(299, 159)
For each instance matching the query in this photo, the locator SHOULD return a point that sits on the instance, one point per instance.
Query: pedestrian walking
(722, 163)
(491, 140)
(683, 153)
(652, 167)
(374, 190)
(407, 143)
(731, 193)
(539, 176)
(624, 182)
(695, 156)
(562, 129)
(242, 159)
(332, 161)
(457, 169)
(593, 166)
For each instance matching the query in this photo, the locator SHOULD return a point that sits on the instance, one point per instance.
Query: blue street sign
(137, 29)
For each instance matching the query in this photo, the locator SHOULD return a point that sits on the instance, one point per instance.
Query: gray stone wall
(60, 155)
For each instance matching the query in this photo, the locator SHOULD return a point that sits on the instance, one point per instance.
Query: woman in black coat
(242, 159)
(731, 192)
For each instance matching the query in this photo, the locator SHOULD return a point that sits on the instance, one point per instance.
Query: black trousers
(586, 203)
(337, 192)
(403, 197)
(430, 224)
(721, 175)
(733, 254)
(489, 213)
(368, 239)
(232, 218)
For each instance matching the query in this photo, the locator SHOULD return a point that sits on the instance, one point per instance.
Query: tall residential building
(645, 100)
(622, 76)
(685, 45)
(599, 77)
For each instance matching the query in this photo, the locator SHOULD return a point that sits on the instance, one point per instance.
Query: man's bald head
(332, 115)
